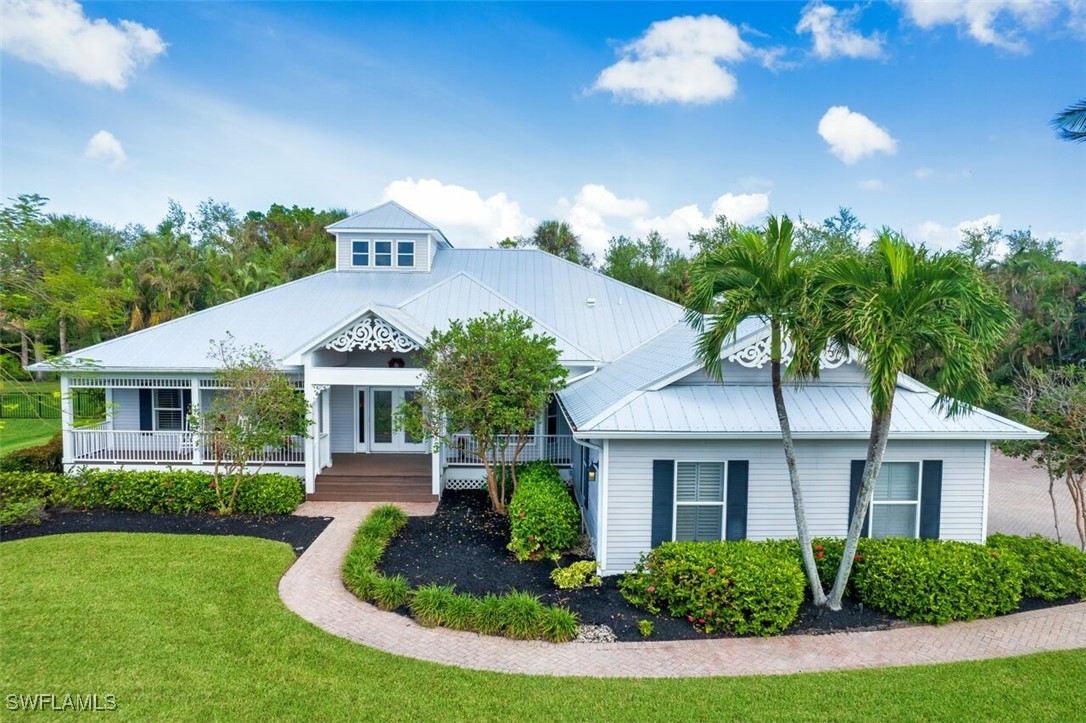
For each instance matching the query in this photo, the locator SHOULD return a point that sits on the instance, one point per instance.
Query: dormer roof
(389, 216)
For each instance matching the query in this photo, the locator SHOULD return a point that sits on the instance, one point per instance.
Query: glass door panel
(383, 429)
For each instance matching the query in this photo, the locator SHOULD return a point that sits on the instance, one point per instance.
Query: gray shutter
(663, 499)
(145, 410)
(738, 475)
(931, 498)
(854, 491)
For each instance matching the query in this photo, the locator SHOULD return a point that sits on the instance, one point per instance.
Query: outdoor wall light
(592, 472)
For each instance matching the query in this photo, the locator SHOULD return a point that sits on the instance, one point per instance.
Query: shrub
(23, 486)
(1053, 571)
(390, 593)
(25, 512)
(462, 612)
(577, 575)
(48, 457)
(543, 518)
(521, 614)
(557, 624)
(488, 615)
(749, 588)
(645, 627)
(359, 570)
(430, 604)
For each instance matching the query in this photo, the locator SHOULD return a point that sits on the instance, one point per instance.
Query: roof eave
(588, 433)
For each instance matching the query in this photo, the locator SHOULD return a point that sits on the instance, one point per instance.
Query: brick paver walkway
(312, 588)
(1018, 501)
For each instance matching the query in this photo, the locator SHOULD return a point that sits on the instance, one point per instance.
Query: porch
(376, 477)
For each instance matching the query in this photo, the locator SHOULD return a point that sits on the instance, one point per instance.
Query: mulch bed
(463, 544)
(297, 531)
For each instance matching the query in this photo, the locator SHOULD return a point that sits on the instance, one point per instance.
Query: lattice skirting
(464, 484)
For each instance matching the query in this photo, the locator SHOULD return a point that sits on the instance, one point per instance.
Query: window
(895, 509)
(699, 501)
(360, 253)
(405, 253)
(382, 253)
(169, 411)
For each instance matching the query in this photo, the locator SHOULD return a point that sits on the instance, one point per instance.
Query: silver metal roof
(389, 216)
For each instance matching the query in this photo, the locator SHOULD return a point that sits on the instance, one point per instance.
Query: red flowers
(690, 618)
(212, 485)
(821, 554)
(857, 558)
(712, 570)
(701, 620)
(113, 487)
(652, 588)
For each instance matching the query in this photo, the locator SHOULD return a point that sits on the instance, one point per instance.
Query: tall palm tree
(1070, 123)
(760, 273)
(897, 303)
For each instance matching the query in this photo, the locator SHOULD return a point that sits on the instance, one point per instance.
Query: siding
(423, 249)
(126, 408)
(735, 373)
(342, 418)
(824, 471)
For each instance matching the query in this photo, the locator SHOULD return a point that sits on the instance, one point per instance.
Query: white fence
(116, 446)
(553, 448)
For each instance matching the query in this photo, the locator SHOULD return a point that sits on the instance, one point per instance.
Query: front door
(376, 421)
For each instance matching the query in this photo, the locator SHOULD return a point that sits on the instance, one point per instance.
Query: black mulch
(463, 544)
(297, 531)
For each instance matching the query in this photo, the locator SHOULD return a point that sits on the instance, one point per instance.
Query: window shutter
(854, 491)
(931, 498)
(663, 499)
(738, 475)
(145, 410)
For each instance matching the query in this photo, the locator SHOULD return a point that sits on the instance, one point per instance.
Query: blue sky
(618, 117)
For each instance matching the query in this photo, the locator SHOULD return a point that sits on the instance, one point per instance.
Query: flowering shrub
(749, 588)
(543, 518)
(1053, 571)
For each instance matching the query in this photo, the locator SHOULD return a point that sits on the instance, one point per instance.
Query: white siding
(824, 470)
(126, 408)
(342, 418)
(423, 251)
(735, 373)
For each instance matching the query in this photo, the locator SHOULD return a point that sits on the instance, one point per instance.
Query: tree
(491, 378)
(1054, 401)
(256, 407)
(839, 233)
(761, 274)
(1070, 123)
(650, 265)
(896, 304)
(557, 238)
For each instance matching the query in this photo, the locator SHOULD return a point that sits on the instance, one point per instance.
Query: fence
(86, 404)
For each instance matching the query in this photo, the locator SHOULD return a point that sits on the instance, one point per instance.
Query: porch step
(357, 488)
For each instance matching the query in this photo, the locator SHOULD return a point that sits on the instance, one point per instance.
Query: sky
(619, 118)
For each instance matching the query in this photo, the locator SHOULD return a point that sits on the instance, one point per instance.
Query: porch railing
(111, 445)
(554, 448)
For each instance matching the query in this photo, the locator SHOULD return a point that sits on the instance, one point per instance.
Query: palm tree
(1070, 123)
(897, 303)
(557, 238)
(760, 274)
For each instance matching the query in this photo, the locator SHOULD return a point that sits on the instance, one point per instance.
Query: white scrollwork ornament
(757, 354)
(372, 334)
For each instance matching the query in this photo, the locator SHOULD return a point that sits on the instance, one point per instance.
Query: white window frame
(156, 408)
(870, 527)
(675, 502)
(363, 254)
(391, 253)
(400, 243)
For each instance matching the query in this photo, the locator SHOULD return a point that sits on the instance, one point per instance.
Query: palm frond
(1070, 123)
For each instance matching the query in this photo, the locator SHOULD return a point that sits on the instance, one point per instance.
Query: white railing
(554, 448)
(110, 445)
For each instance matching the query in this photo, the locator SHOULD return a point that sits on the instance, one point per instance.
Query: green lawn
(191, 627)
(18, 433)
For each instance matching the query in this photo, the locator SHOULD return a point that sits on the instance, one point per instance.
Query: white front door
(376, 421)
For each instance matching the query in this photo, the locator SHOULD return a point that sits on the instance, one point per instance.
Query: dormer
(386, 238)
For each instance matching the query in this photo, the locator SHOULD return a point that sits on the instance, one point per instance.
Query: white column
(312, 442)
(67, 420)
(109, 408)
(197, 444)
(435, 471)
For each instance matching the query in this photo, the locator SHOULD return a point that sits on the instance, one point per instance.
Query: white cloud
(103, 145)
(871, 184)
(463, 214)
(681, 60)
(756, 183)
(833, 35)
(923, 174)
(853, 135)
(936, 235)
(591, 211)
(989, 22)
(741, 208)
(59, 37)
(1074, 244)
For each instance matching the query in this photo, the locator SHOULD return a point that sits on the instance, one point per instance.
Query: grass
(11, 385)
(19, 433)
(190, 627)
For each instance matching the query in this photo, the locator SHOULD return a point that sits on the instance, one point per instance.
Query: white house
(654, 448)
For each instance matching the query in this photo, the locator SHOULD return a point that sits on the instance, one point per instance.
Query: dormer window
(360, 253)
(405, 253)
(382, 253)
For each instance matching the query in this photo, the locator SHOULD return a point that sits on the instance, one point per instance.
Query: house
(654, 448)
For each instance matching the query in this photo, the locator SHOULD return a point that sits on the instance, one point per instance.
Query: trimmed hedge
(159, 492)
(749, 588)
(48, 457)
(543, 518)
(930, 581)
(1054, 571)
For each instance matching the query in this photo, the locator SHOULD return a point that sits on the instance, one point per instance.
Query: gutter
(974, 436)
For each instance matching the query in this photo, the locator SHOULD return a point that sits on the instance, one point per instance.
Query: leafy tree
(897, 303)
(255, 408)
(839, 233)
(22, 224)
(761, 274)
(557, 238)
(1070, 123)
(650, 265)
(491, 378)
(1054, 401)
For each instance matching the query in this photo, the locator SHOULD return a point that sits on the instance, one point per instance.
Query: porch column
(312, 443)
(109, 408)
(67, 420)
(197, 443)
(435, 471)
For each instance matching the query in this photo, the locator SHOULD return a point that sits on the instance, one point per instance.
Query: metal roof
(389, 216)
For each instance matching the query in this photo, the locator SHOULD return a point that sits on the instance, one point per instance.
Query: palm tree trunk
(38, 357)
(876, 448)
(802, 531)
(62, 332)
(24, 349)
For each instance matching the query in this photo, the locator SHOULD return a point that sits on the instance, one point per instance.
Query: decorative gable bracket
(372, 334)
(757, 354)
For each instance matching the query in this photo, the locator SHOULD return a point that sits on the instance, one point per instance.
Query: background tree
(897, 303)
(839, 233)
(256, 407)
(491, 378)
(760, 274)
(557, 238)
(1070, 123)
(651, 265)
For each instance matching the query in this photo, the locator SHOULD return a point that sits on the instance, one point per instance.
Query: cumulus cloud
(741, 208)
(853, 135)
(104, 146)
(936, 235)
(592, 212)
(989, 22)
(463, 214)
(833, 34)
(681, 60)
(1073, 242)
(58, 36)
